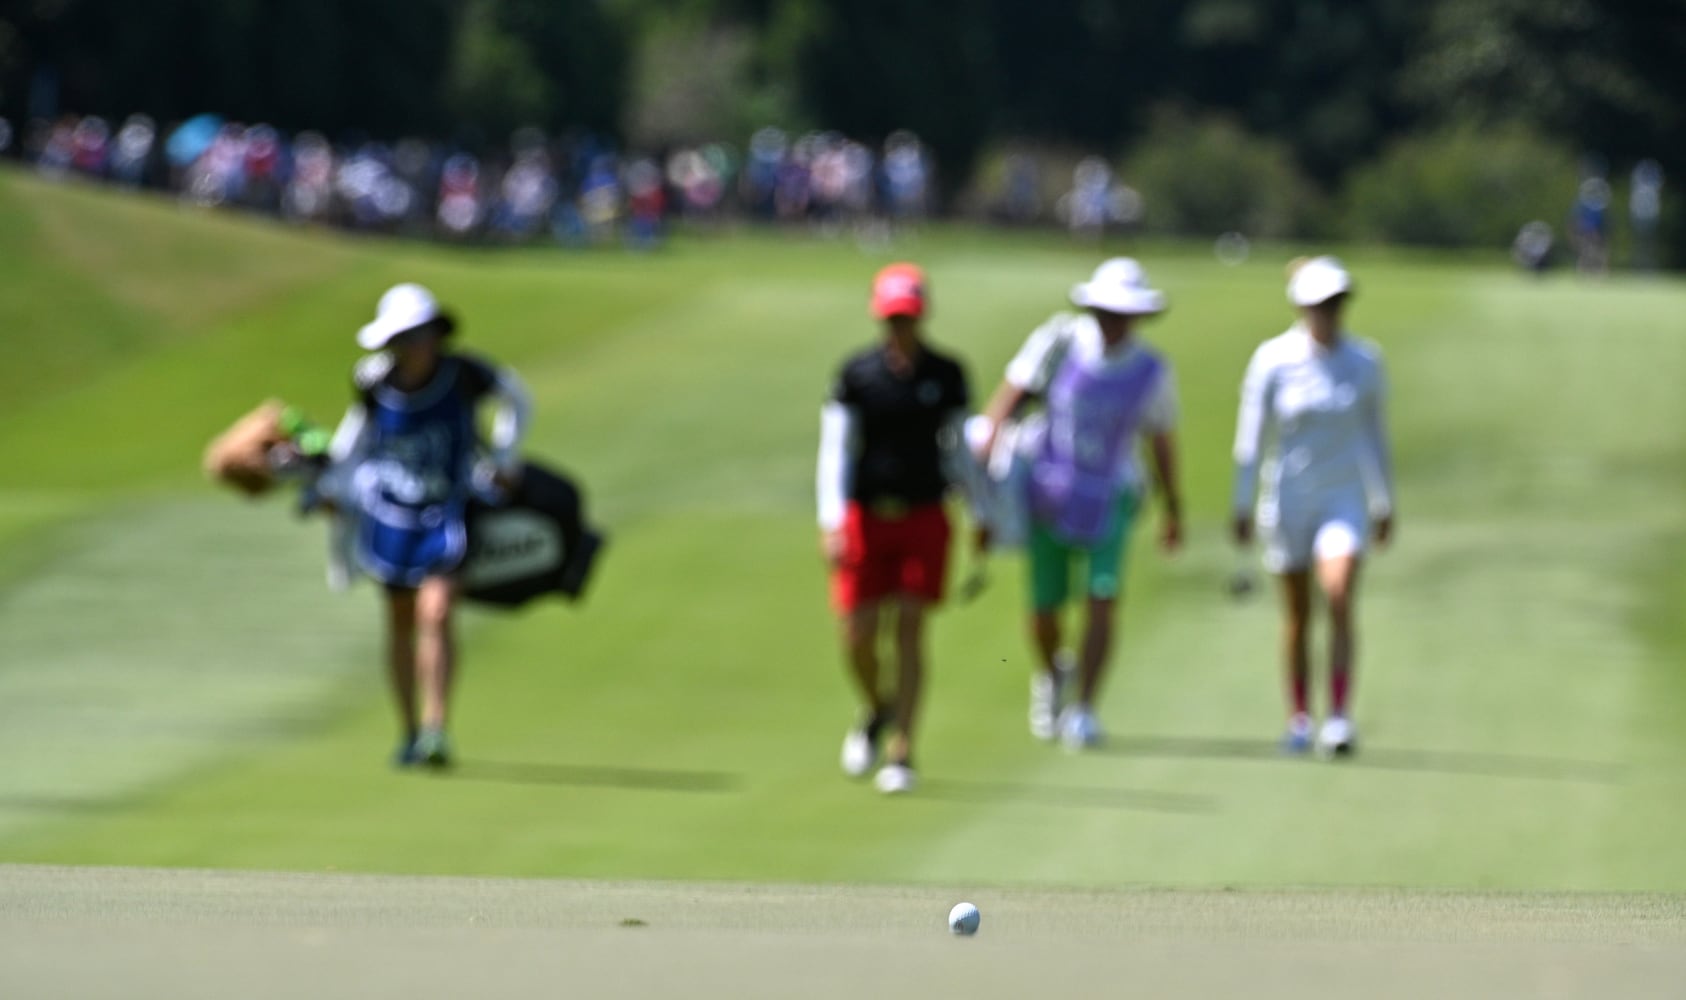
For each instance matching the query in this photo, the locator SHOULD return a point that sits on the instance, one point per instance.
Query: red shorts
(904, 553)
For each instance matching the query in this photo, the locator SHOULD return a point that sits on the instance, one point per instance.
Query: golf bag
(536, 542)
(533, 542)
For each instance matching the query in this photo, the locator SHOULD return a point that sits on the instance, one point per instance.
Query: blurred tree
(869, 67)
(493, 81)
(581, 51)
(1605, 78)
(1318, 74)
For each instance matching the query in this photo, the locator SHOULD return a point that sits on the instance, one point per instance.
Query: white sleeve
(1378, 454)
(962, 467)
(837, 446)
(509, 425)
(1033, 367)
(351, 437)
(1161, 412)
(1250, 426)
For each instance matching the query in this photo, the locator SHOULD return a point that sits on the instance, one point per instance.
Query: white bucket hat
(1318, 280)
(1119, 286)
(403, 307)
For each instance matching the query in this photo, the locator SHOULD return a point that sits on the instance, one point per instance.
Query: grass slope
(182, 691)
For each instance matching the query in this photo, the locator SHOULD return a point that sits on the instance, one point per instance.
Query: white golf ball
(963, 919)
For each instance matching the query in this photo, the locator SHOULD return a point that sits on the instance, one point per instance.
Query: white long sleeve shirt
(1312, 423)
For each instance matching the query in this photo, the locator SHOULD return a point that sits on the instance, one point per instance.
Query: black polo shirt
(897, 417)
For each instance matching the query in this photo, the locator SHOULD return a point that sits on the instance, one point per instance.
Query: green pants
(1051, 560)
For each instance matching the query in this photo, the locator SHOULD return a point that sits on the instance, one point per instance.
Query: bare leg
(435, 648)
(910, 679)
(1296, 624)
(860, 645)
(1045, 633)
(1339, 579)
(401, 656)
(1097, 648)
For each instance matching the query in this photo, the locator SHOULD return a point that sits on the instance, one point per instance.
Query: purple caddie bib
(1092, 419)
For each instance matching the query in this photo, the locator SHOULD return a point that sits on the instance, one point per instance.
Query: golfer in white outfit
(1314, 474)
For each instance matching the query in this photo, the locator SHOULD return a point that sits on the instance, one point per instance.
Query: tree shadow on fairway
(1065, 796)
(1492, 765)
(583, 776)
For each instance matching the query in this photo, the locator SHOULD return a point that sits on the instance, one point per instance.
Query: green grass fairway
(178, 687)
(169, 934)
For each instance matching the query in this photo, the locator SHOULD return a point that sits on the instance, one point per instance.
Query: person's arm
(351, 437)
(1250, 424)
(1160, 424)
(1378, 458)
(968, 471)
(509, 422)
(1027, 374)
(831, 480)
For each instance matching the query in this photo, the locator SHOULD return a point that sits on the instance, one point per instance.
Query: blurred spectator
(646, 201)
(264, 168)
(459, 196)
(1021, 201)
(132, 152)
(792, 191)
(576, 188)
(1589, 226)
(1095, 202)
(767, 149)
(1645, 212)
(698, 179)
(5, 137)
(218, 175)
(375, 197)
(906, 177)
(526, 197)
(1532, 247)
(309, 191)
(90, 144)
(58, 149)
(600, 198)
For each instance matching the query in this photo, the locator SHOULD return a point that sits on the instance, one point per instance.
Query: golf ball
(963, 919)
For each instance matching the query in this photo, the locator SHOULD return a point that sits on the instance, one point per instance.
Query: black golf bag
(537, 542)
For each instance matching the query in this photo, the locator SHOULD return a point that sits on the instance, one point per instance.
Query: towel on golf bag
(270, 445)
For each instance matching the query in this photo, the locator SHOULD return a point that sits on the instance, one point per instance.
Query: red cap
(898, 290)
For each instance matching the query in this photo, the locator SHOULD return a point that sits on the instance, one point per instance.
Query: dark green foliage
(1334, 81)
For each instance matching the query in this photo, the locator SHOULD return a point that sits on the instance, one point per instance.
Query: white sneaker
(1299, 736)
(895, 779)
(1079, 729)
(1336, 738)
(1047, 693)
(859, 753)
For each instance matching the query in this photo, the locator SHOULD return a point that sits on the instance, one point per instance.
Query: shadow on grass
(1066, 796)
(68, 804)
(1492, 765)
(583, 776)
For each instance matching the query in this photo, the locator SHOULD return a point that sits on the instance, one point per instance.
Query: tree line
(1335, 81)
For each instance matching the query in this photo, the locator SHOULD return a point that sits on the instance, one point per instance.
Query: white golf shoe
(1336, 737)
(895, 779)
(1047, 697)
(859, 753)
(1079, 729)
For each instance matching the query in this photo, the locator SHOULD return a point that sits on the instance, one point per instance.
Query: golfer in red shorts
(890, 446)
